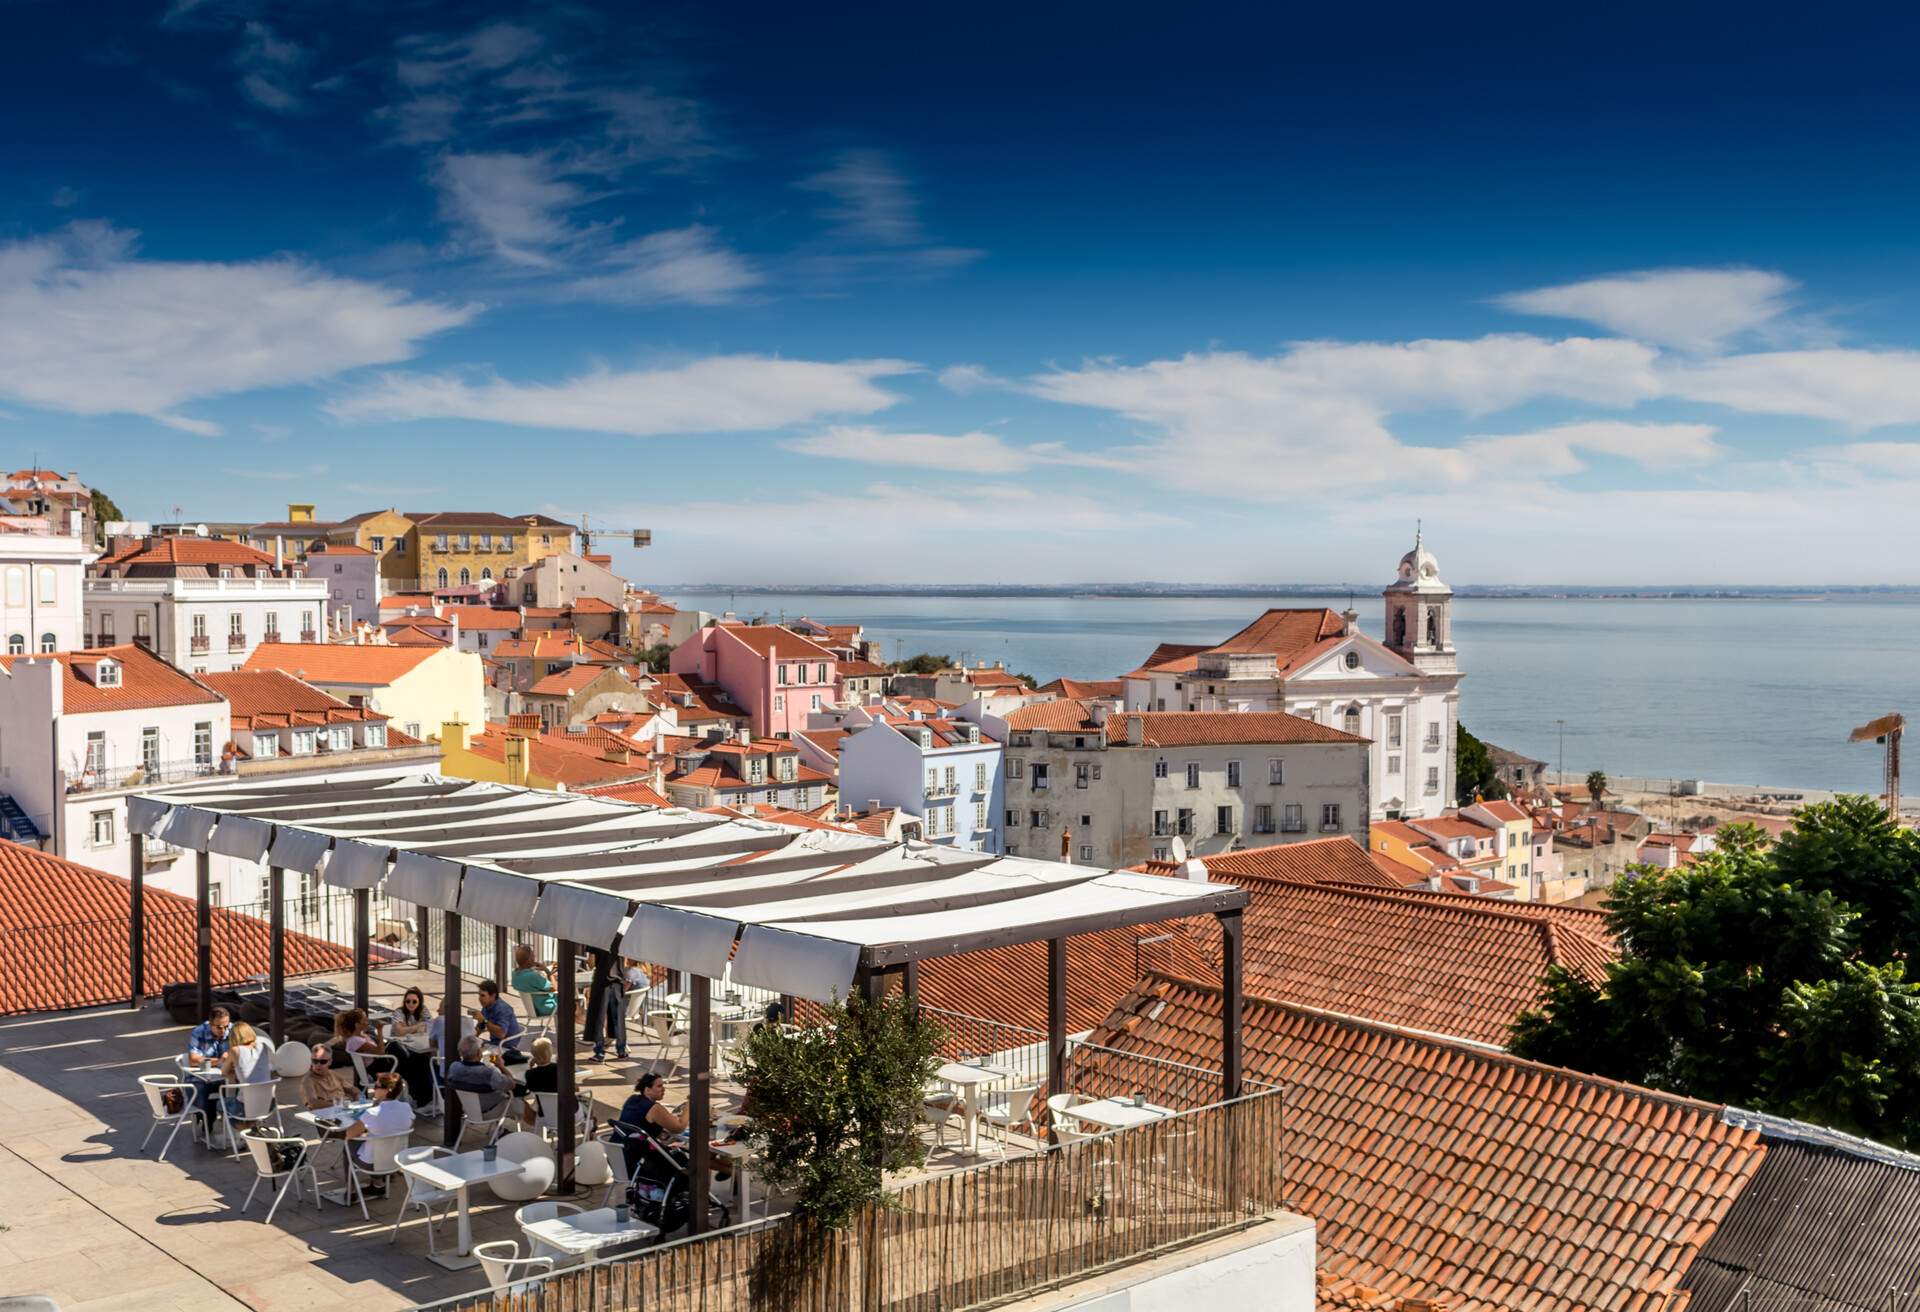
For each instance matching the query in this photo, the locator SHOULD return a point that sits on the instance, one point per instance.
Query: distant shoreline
(1136, 591)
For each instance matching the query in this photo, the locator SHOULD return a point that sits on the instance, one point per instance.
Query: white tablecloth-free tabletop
(969, 1075)
(453, 1174)
(1116, 1113)
(584, 1232)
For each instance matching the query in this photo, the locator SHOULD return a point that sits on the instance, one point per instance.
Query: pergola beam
(203, 929)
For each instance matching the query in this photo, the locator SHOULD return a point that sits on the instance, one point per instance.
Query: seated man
(501, 1023)
(206, 1047)
(480, 1074)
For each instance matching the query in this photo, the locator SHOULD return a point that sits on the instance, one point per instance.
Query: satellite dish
(1179, 851)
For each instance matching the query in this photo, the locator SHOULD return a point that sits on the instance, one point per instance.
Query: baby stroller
(661, 1192)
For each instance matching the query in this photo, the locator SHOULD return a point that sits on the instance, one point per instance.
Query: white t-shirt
(392, 1116)
(253, 1065)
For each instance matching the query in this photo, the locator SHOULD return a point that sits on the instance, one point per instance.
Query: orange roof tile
(145, 680)
(1061, 713)
(594, 606)
(493, 619)
(1338, 860)
(1106, 689)
(338, 662)
(253, 693)
(775, 642)
(567, 682)
(1169, 658)
(186, 551)
(1208, 728)
(1441, 1170)
(637, 792)
(48, 970)
(562, 766)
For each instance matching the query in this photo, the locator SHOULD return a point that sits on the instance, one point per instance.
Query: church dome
(1419, 571)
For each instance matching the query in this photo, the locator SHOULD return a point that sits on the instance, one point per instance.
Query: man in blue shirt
(500, 1021)
(207, 1044)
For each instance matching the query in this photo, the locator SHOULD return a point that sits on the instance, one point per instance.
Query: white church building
(1402, 693)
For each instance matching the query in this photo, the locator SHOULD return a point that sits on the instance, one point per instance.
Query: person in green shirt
(532, 979)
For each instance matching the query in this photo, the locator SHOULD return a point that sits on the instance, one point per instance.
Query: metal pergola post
(565, 1027)
(277, 954)
(1232, 983)
(137, 925)
(450, 1031)
(362, 950)
(203, 925)
(1056, 1019)
(501, 970)
(700, 1096)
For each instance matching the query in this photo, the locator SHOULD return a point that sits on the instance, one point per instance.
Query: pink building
(777, 675)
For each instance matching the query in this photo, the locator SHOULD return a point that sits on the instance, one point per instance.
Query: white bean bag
(292, 1059)
(539, 1167)
(590, 1164)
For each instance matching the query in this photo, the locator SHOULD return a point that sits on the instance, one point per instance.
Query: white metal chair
(619, 1169)
(423, 1196)
(385, 1150)
(259, 1105)
(368, 1063)
(474, 1117)
(268, 1164)
(545, 1210)
(534, 1025)
(506, 1271)
(937, 1110)
(666, 1031)
(547, 1119)
(539, 1167)
(1004, 1110)
(156, 1087)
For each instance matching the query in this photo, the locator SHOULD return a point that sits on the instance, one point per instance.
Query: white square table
(585, 1233)
(333, 1124)
(965, 1078)
(739, 1153)
(454, 1174)
(1117, 1113)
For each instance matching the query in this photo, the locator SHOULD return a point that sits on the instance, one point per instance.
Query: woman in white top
(249, 1056)
(391, 1113)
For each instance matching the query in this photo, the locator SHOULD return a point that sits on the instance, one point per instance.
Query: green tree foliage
(1596, 785)
(105, 512)
(836, 1105)
(923, 663)
(657, 656)
(1474, 770)
(1769, 977)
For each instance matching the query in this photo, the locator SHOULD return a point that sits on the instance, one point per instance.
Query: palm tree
(1596, 785)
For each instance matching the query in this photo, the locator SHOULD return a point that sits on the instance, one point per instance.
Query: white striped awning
(797, 909)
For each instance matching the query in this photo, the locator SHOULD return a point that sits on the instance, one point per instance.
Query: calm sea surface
(1759, 691)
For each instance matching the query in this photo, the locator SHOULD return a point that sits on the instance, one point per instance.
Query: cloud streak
(1696, 310)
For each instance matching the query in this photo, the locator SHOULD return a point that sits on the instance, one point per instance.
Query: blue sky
(1049, 293)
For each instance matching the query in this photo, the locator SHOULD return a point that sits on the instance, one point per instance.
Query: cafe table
(332, 1123)
(1117, 1113)
(967, 1078)
(582, 1234)
(455, 1174)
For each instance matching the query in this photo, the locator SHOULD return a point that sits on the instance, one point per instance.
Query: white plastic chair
(539, 1166)
(385, 1150)
(423, 1196)
(474, 1117)
(506, 1271)
(265, 1168)
(259, 1104)
(937, 1110)
(1004, 1110)
(669, 1034)
(620, 1170)
(156, 1088)
(368, 1063)
(547, 1119)
(545, 1210)
(533, 1024)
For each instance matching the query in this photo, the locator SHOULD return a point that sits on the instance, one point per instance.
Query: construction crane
(1887, 729)
(642, 537)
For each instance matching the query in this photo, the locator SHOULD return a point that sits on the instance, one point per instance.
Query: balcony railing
(308, 635)
(1293, 826)
(942, 790)
(236, 641)
(199, 644)
(91, 780)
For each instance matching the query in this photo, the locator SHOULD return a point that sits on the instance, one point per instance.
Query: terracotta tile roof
(1061, 713)
(145, 680)
(641, 793)
(339, 662)
(1169, 658)
(589, 739)
(567, 682)
(48, 969)
(1444, 1171)
(777, 643)
(402, 600)
(1109, 689)
(414, 635)
(861, 670)
(493, 619)
(924, 705)
(594, 606)
(1285, 632)
(1338, 860)
(943, 732)
(253, 693)
(1447, 826)
(574, 769)
(186, 551)
(438, 520)
(874, 822)
(1208, 728)
(338, 549)
(1503, 810)
(828, 741)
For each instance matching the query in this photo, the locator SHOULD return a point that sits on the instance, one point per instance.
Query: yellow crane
(1886, 730)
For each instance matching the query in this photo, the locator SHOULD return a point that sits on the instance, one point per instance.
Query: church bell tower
(1420, 613)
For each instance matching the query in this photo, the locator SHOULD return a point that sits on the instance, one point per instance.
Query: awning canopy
(807, 907)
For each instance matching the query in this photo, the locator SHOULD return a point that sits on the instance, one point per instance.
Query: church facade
(1402, 693)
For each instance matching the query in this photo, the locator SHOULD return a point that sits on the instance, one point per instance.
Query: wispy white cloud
(687, 265)
(962, 379)
(270, 69)
(980, 453)
(879, 515)
(1851, 460)
(1858, 388)
(87, 327)
(875, 228)
(64, 198)
(1556, 452)
(717, 394)
(1689, 309)
(514, 205)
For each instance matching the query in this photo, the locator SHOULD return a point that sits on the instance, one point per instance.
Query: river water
(1760, 691)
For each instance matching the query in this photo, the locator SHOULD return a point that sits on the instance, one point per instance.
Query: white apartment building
(41, 578)
(202, 604)
(80, 731)
(946, 772)
(1403, 693)
(1106, 788)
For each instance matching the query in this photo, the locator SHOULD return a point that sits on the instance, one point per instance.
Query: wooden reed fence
(965, 1239)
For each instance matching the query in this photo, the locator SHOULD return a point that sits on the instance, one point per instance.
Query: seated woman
(407, 1045)
(542, 1075)
(324, 1086)
(351, 1034)
(644, 1113)
(534, 980)
(391, 1113)
(247, 1060)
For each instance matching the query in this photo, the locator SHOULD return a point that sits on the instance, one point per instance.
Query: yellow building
(1516, 850)
(422, 550)
(416, 688)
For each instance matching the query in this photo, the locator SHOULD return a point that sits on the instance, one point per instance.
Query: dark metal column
(1232, 982)
(450, 1032)
(1056, 1017)
(565, 1027)
(203, 921)
(502, 971)
(425, 934)
(700, 1096)
(277, 954)
(137, 925)
(362, 950)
